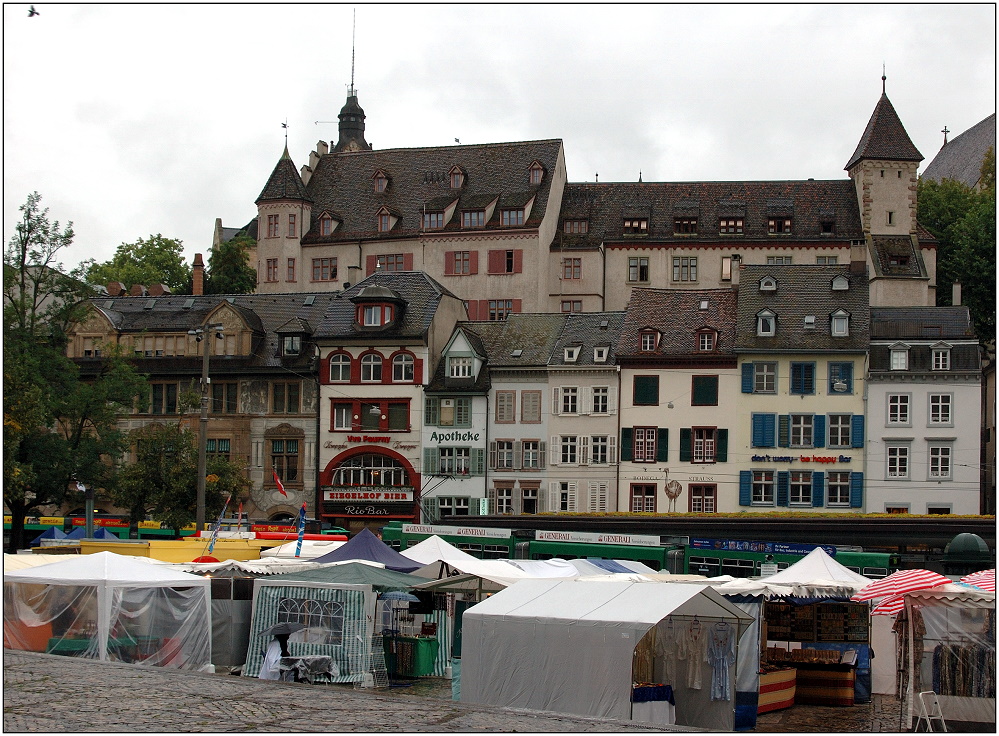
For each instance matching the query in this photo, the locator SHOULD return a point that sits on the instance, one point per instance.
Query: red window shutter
(473, 309)
(516, 305)
(355, 371)
(386, 371)
(496, 258)
(473, 261)
(407, 261)
(370, 264)
(418, 370)
(518, 262)
(483, 309)
(449, 263)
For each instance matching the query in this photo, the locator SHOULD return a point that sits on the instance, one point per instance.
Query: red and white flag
(280, 485)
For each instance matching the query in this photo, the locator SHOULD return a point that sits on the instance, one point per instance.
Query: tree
(157, 260)
(163, 479)
(57, 428)
(229, 271)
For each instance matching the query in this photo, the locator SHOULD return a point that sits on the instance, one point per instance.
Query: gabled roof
(802, 291)
(284, 182)
(533, 335)
(677, 315)
(885, 138)
(896, 255)
(422, 294)
(921, 323)
(589, 330)
(961, 158)
(421, 179)
(809, 203)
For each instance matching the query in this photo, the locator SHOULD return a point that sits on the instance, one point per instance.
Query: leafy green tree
(57, 427)
(157, 260)
(163, 479)
(229, 270)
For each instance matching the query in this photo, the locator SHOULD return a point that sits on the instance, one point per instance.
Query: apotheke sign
(642, 540)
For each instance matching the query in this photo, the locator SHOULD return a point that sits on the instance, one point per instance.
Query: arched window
(402, 368)
(370, 470)
(340, 368)
(371, 367)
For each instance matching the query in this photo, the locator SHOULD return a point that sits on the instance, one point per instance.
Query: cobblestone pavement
(45, 693)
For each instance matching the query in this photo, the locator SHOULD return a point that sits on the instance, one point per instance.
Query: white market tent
(569, 646)
(110, 607)
(818, 570)
(498, 572)
(310, 548)
(434, 549)
(19, 562)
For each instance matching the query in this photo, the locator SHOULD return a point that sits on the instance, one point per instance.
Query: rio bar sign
(642, 540)
(456, 531)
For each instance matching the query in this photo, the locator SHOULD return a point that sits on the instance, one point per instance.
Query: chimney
(116, 288)
(955, 294)
(137, 290)
(159, 290)
(198, 276)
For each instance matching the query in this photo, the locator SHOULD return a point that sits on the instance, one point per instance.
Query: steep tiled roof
(534, 335)
(677, 315)
(921, 323)
(802, 291)
(421, 293)
(284, 182)
(440, 382)
(897, 255)
(961, 158)
(808, 203)
(885, 138)
(420, 179)
(589, 330)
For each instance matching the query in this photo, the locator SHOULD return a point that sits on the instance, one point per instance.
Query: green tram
(709, 557)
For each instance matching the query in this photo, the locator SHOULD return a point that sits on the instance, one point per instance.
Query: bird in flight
(32, 11)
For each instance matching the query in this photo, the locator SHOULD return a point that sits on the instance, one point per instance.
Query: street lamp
(198, 334)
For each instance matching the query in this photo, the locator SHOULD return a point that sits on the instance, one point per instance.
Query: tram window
(875, 572)
(495, 552)
(737, 568)
(541, 556)
(395, 544)
(706, 566)
(470, 548)
(851, 567)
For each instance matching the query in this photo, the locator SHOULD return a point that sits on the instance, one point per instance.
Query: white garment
(691, 646)
(720, 655)
(270, 669)
(666, 649)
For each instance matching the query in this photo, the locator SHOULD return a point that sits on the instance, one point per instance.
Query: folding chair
(929, 711)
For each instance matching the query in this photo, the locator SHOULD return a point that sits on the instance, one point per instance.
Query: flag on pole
(239, 516)
(301, 531)
(218, 525)
(280, 485)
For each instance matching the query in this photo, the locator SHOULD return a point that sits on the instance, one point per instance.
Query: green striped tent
(275, 601)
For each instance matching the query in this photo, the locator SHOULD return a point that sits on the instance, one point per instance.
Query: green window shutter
(430, 461)
(784, 430)
(646, 390)
(431, 510)
(626, 443)
(704, 391)
(662, 444)
(430, 415)
(721, 446)
(783, 487)
(745, 488)
(818, 488)
(686, 445)
(478, 461)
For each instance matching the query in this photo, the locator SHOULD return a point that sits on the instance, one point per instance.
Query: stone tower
(351, 126)
(284, 213)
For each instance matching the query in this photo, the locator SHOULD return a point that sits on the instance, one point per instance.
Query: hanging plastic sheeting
(110, 607)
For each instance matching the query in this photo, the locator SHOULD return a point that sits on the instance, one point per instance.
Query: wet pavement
(46, 693)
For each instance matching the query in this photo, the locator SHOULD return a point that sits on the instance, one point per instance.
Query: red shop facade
(367, 486)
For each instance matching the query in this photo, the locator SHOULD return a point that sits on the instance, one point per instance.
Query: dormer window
(779, 225)
(899, 358)
(292, 345)
(730, 225)
(685, 225)
(512, 218)
(459, 367)
(839, 325)
(941, 358)
(705, 341)
(841, 283)
(457, 178)
(375, 315)
(325, 225)
(572, 354)
(433, 220)
(384, 222)
(381, 182)
(766, 323)
(575, 227)
(473, 218)
(810, 322)
(827, 227)
(648, 339)
(600, 354)
(636, 226)
(768, 283)
(535, 174)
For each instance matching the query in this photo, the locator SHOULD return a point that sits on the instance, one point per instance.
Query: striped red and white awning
(889, 605)
(900, 582)
(984, 579)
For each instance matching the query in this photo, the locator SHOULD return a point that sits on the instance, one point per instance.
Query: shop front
(367, 486)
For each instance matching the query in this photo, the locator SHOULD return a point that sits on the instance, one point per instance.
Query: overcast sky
(132, 120)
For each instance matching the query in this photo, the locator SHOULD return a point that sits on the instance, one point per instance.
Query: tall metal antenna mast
(353, 34)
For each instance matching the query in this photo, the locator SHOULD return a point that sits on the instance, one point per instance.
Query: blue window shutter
(783, 487)
(662, 444)
(757, 427)
(857, 430)
(686, 445)
(856, 490)
(763, 430)
(745, 488)
(770, 430)
(721, 448)
(796, 378)
(818, 488)
(784, 430)
(626, 443)
(747, 378)
(809, 379)
(819, 430)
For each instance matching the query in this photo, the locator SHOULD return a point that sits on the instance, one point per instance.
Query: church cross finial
(945, 132)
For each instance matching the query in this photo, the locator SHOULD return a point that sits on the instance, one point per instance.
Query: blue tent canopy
(100, 532)
(366, 546)
(53, 532)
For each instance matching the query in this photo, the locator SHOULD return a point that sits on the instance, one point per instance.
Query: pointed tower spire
(284, 182)
(884, 138)
(351, 115)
